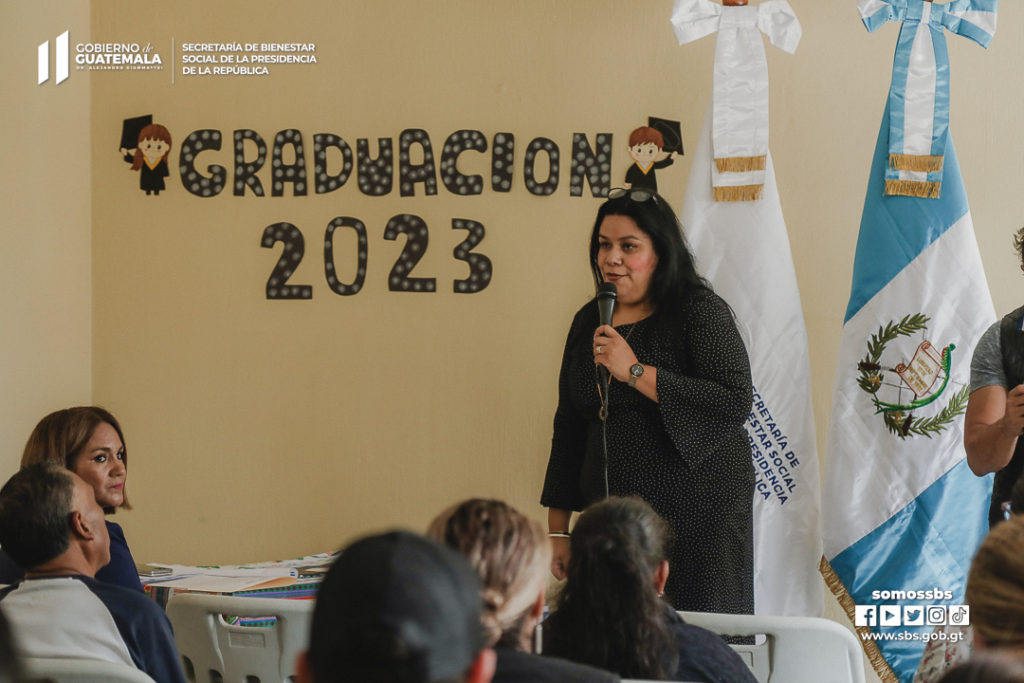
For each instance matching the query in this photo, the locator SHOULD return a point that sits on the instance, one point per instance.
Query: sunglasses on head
(637, 195)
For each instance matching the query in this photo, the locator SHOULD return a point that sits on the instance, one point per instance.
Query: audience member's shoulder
(121, 598)
(704, 656)
(523, 667)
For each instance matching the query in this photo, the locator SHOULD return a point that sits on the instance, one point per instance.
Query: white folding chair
(214, 651)
(70, 670)
(796, 649)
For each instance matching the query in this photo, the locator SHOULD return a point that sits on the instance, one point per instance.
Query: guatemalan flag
(919, 95)
(903, 514)
(742, 248)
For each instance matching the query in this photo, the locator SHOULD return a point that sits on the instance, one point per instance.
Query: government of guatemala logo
(61, 61)
(901, 392)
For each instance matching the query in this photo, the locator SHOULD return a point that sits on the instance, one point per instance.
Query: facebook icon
(865, 615)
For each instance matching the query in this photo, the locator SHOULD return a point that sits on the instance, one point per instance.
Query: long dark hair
(609, 615)
(675, 276)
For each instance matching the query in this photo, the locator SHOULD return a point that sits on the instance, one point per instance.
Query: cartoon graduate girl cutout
(150, 158)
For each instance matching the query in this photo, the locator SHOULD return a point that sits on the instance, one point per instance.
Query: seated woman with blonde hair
(612, 614)
(511, 554)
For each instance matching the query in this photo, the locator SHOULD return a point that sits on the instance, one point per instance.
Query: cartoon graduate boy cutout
(149, 156)
(645, 147)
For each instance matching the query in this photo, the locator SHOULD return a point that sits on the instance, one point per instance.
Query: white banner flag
(742, 248)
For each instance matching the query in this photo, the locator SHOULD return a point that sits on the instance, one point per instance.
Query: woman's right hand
(559, 556)
(558, 523)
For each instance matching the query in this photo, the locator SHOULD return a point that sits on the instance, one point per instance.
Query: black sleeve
(569, 437)
(703, 408)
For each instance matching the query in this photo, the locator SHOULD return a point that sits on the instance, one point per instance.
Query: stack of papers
(232, 578)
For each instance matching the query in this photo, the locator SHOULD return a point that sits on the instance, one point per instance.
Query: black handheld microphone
(606, 297)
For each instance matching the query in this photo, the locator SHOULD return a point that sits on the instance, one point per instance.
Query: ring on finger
(600, 349)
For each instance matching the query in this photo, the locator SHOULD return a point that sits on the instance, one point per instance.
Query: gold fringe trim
(913, 188)
(740, 164)
(835, 584)
(915, 162)
(738, 193)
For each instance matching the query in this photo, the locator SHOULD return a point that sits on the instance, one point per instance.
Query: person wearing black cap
(398, 608)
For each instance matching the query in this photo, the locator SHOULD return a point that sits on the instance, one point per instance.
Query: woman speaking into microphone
(679, 393)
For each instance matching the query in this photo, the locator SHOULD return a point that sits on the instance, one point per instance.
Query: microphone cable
(607, 295)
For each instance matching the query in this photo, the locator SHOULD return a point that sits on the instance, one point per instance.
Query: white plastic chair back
(214, 651)
(70, 670)
(796, 649)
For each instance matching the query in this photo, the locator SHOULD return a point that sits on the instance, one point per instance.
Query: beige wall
(45, 191)
(262, 429)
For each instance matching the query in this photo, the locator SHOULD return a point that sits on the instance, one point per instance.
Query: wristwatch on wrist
(635, 371)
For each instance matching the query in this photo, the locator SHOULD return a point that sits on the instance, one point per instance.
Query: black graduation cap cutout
(130, 130)
(671, 133)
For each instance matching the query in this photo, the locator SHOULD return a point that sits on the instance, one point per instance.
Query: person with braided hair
(611, 612)
(511, 554)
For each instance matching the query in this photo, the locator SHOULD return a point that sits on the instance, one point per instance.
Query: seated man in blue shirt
(52, 527)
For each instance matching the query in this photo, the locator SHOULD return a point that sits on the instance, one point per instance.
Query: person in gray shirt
(995, 410)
